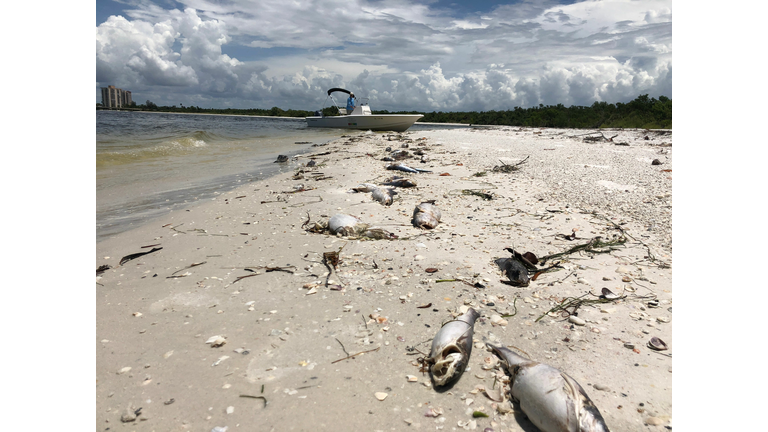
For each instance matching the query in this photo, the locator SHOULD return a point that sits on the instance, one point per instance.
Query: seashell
(411, 378)
(380, 395)
(657, 344)
(216, 341)
(576, 320)
(433, 412)
(609, 294)
(494, 394)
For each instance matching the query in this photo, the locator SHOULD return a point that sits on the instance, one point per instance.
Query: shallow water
(150, 163)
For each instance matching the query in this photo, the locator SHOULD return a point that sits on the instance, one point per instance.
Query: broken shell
(380, 395)
(609, 294)
(412, 378)
(494, 394)
(216, 341)
(657, 344)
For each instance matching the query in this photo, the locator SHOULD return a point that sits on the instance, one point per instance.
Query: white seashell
(216, 341)
(576, 320)
(380, 395)
(230, 409)
(412, 378)
(124, 370)
(168, 354)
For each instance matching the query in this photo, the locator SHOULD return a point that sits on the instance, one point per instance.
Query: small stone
(128, 416)
(418, 257)
(230, 409)
(601, 387)
(626, 279)
(629, 345)
(380, 395)
(576, 320)
(504, 407)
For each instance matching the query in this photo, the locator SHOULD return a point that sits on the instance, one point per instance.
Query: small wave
(155, 149)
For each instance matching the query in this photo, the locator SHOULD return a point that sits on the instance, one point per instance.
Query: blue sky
(402, 54)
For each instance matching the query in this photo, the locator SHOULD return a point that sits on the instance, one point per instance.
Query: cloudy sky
(428, 55)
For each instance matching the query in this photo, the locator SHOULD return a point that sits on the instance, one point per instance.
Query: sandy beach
(244, 267)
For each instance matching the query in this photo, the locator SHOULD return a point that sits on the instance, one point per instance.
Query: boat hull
(382, 122)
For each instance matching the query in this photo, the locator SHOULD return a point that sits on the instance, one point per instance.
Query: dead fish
(400, 182)
(383, 195)
(378, 234)
(516, 268)
(401, 167)
(451, 348)
(365, 187)
(346, 225)
(551, 399)
(426, 215)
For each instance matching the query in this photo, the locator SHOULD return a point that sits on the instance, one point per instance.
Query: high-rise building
(112, 97)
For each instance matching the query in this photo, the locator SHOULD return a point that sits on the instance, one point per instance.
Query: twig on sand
(255, 397)
(354, 355)
(189, 267)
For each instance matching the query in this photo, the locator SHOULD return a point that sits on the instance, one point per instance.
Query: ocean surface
(148, 164)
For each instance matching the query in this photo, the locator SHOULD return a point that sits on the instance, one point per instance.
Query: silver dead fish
(451, 348)
(401, 167)
(426, 215)
(383, 195)
(551, 399)
(351, 226)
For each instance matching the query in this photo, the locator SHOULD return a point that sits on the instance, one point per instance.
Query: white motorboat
(361, 117)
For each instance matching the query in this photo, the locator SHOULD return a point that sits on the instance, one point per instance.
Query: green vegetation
(643, 112)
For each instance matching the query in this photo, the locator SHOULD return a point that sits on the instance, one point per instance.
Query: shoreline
(155, 313)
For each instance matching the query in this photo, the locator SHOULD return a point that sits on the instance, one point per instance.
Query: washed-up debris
(256, 397)
(551, 399)
(281, 159)
(515, 268)
(189, 267)
(399, 182)
(570, 305)
(426, 215)
(383, 195)
(216, 341)
(355, 355)
(451, 349)
(365, 187)
(349, 226)
(481, 194)
(127, 258)
(597, 246)
(401, 167)
(657, 344)
(506, 168)
(101, 269)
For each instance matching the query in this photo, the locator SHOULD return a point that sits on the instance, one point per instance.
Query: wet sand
(155, 313)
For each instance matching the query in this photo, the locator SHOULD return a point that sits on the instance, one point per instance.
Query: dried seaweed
(597, 245)
(506, 168)
(570, 305)
(483, 195)
(127, 258)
